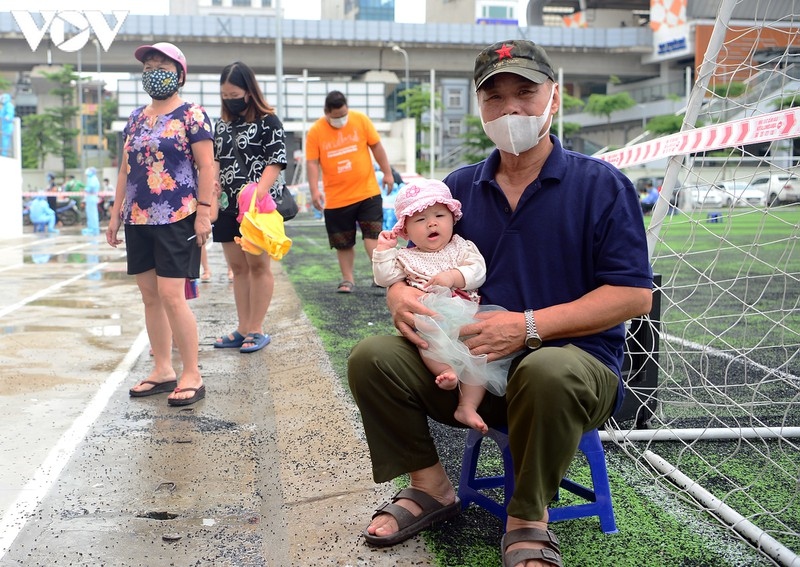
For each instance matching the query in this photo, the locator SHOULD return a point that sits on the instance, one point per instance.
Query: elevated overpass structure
(327, 47)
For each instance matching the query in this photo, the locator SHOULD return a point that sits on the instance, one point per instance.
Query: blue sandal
(228, 342)
(259, 341)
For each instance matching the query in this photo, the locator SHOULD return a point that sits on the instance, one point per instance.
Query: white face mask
(338, 122)
(514, 133)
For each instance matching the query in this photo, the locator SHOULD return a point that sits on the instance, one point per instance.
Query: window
(454, 98)
(498, 12)
(453, 127)
(242, 3)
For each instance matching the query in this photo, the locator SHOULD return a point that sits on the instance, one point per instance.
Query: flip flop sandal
(227, 342)
(345, 286)
(158, 388)
(259, 341)
(199, 394)
(408, 524)
(550, 554)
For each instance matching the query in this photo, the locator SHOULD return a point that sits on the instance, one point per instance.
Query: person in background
(163, 198)
(52, 200)
(7, 114)
(205, 276)
(91, 201)
(649, 198)
(41, 213)
(568, 261)
(249, 146)
(339, 151)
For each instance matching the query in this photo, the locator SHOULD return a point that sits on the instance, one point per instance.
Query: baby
(450, 270)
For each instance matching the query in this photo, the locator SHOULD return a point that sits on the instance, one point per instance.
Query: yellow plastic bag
(263, 232)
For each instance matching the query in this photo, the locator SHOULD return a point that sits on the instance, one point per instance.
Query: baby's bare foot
(447, 380)
(469, 417)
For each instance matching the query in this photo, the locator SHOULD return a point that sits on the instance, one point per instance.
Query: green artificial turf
(657, 526)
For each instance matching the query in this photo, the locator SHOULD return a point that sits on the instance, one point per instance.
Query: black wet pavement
(270, 469)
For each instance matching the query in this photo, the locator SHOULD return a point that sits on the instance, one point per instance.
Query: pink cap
(418, 196)
(164, 48)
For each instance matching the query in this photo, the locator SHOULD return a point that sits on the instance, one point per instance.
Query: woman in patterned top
(163, 197)
(249, 146)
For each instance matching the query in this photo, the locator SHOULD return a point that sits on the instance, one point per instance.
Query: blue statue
(92, 189)
(7, 119)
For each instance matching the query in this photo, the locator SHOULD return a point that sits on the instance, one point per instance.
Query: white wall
(11, 174)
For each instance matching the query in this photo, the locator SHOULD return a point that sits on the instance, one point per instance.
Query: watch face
(533, 342)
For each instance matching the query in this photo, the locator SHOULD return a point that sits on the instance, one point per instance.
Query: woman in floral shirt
(250, 146)
(163, 197)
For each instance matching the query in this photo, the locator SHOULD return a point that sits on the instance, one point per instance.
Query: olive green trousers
(554, 395)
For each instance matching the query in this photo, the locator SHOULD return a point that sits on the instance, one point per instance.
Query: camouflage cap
(519, 56)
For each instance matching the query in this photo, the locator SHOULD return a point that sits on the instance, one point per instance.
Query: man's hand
(403, 301)
(497, 334)
(317, 199)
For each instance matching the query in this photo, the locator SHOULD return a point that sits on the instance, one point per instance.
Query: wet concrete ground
(270, 469)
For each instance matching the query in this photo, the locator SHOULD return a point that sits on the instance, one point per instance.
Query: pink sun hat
(420, 194)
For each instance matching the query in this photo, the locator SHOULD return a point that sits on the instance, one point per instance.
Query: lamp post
(399, 49)
(100, 137)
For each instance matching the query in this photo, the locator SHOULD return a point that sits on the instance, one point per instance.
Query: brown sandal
(551, 553)
(345, 286)
(409, 525)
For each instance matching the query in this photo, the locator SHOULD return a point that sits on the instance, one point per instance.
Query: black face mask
(235, 105)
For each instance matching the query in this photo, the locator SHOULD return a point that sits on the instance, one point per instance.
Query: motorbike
(67, 212)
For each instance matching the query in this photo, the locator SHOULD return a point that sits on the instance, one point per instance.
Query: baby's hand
(444, 279)
(386, 240)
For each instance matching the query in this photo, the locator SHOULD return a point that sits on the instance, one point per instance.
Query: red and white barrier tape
(778, 125)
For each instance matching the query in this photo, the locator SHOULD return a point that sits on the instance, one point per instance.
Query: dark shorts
(165, 248)
(225, 228)
(341, 223)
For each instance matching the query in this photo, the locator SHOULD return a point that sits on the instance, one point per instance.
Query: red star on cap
(503, 52)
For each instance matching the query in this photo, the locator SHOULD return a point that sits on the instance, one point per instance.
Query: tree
(416, 103)
(38, 140)
(664, 124)
(110, 109)
(789, 101)
(64, 116)
(728, 90)
(475, 139)
(606, 105)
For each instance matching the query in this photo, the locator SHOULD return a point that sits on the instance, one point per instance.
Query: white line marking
(41, 293)
(47, 473)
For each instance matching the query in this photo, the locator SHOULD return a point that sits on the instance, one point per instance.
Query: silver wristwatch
(532, 338)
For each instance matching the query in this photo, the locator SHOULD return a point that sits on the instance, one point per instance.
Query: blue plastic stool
(40, 227)
(598, 498)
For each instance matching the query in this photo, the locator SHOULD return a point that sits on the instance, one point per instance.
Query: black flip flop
(158, 388)
(199, 394)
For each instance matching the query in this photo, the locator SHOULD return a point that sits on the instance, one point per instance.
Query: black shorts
(225, 228)
(163, 247)
(341, 223)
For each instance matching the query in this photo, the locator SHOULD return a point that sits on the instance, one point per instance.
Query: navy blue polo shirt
(576, 227)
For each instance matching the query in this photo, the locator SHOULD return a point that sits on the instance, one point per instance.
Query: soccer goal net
(721, 429)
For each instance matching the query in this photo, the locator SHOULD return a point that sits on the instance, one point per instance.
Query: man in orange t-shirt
(338, 147)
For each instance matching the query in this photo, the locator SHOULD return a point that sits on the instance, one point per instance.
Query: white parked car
(740, 194)
(708, 196)
(778, 188)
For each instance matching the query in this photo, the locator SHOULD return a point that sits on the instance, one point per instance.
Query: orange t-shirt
(345, 159)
